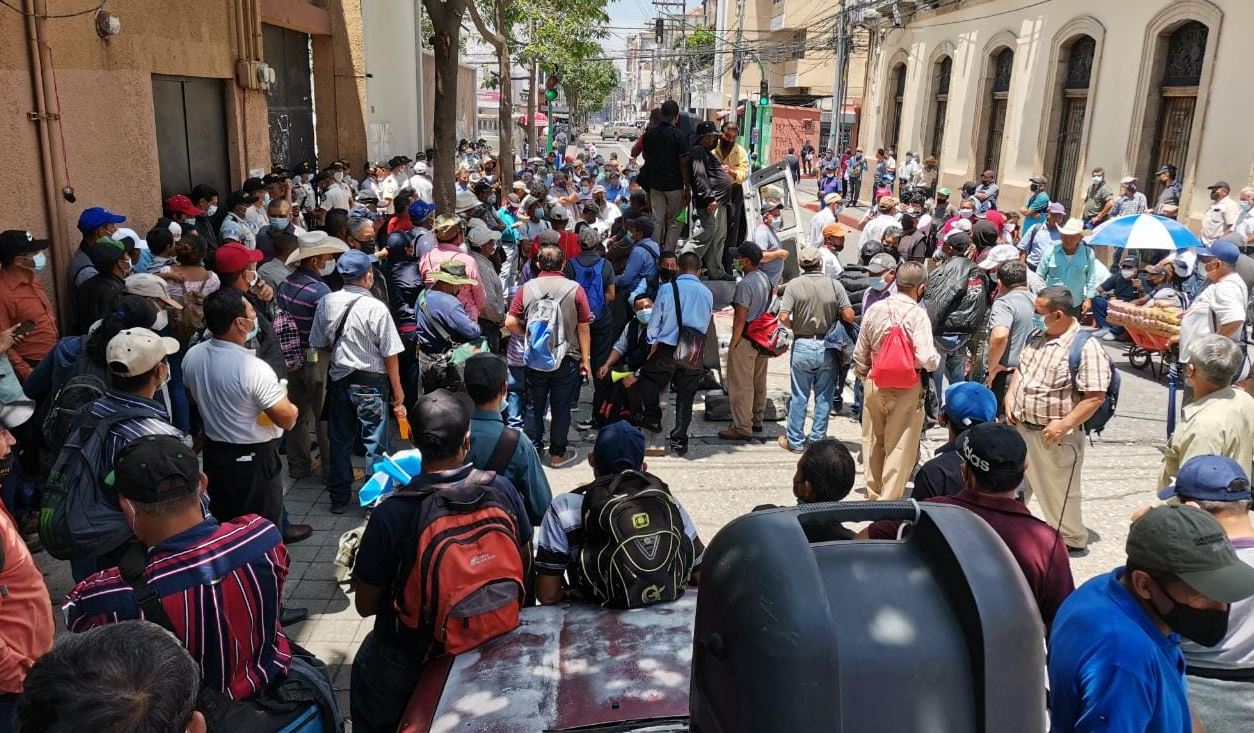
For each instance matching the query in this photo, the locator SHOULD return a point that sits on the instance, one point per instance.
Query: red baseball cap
(234, 257)
(180, 204)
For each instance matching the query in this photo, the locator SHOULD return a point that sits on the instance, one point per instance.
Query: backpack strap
(679, 313)
(339, 327)
(504, 451)
(439, 327)
(1076, 355)
(132, 565)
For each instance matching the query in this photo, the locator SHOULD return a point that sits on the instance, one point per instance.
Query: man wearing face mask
(96, 296)
(22, 298)
(278, 221)
(1220, 308)
(1037, 205)
(1124, 285)
(1115, 660)
(235, 226)
(1043, 236)
(1222, 214)
(1130, 201)
(237, 268)
(711, 186)
(1098, 200)
(767, 239)
(985, 193)
(1168, 203)
(255, 215)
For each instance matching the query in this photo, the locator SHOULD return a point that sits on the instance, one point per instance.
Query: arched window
(941, 72)
(892, 126)
(1003, 63)
(1178, 88)
(1076, 78)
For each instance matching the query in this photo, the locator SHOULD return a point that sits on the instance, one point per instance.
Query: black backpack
(1097, 422)
(85, 385)
(635, 551)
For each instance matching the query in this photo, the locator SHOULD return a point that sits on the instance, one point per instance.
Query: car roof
(565, 667)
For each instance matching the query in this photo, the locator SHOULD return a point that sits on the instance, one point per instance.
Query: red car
(571, 667)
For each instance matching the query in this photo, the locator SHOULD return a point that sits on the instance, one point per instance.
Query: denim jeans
(813, 370)
(953, 367)
(557, 390)
(515, 406)
(1100, 307)
(358, 407)
(383, 679)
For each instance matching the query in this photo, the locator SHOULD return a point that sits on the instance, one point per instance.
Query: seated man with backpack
(419, 570)
(217, 587)
(80, 517)
(622, 541)
(494, 447)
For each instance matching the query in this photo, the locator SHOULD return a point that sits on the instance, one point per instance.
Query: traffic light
(550, 88)
(658, 28)
(763, 98)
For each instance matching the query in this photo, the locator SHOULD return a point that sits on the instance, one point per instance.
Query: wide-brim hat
(314, 243)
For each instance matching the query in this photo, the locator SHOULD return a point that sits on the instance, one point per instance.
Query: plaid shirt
(298, 296)
(1045, 391)
(220, 584)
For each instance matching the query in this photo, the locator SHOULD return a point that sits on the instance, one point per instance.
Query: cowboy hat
(312, 244)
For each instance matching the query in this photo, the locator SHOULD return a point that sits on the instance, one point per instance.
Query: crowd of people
(273, 334)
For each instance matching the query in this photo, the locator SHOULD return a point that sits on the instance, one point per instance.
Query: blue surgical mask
(41, 261)
(643, 314)
(255, 329)
(279, 222)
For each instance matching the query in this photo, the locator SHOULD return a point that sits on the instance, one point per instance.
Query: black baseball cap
(441, 417)
(1189, 543)
(619, 447)
(155, 468)
(993, 450)
(484, 374)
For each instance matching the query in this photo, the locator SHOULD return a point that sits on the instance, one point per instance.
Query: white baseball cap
(999, 255)
(136, 351)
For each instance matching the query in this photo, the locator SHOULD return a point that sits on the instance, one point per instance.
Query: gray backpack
(546, 343)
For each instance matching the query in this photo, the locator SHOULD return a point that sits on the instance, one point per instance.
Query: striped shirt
(1045, 392)
(369, 334)
(220, 584)
(299, 295)
(133, 429)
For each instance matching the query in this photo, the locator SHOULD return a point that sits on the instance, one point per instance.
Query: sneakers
(564, 460)
(1110, 337)
(679, 447)
(583, 426)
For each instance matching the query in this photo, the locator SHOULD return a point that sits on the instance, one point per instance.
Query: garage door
(191, 133)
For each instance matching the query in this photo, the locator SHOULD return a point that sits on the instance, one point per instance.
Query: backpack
(75, 518)
(1097, 422)
(187, 323)
(85, 385)
(635, 551)
(766, 334)
(464, 585)
(651, 282)
(892, 366)
(546, 341)
(591, 279)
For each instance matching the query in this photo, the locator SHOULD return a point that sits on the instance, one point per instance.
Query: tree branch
(496, 39)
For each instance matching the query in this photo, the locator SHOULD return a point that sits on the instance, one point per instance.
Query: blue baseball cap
(1222, 250)
(97, 216)
(619, 447)
(970, 403)
(354, 264)
(1210, 478)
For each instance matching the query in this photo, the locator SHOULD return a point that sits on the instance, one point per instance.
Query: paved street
(718, 481)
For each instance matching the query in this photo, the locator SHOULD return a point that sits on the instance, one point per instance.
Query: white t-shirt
(422, 188)
(831, 263)
(233, 388)
(1222, 302)
(336, 197)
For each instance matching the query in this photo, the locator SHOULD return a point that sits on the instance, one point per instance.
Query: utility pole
(838, 89)
(422, 83)
(738, 61)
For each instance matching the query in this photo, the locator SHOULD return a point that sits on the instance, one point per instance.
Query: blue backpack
(591, 279)
(1097, 422)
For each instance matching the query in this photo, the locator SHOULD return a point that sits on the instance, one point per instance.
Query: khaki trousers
(746, 385)
(307, 388)
(1054, 478)
(892, 423)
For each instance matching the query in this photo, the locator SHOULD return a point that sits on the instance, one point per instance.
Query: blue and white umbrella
(1144, 231)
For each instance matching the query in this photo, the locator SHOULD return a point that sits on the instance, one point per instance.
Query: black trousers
(603, 334)
(245, 479)
(660, 370)
(737, 227)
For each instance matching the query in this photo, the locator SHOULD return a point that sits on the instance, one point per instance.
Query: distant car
(620, 131)
(569, 667)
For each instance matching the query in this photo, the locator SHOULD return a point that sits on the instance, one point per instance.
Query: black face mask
(725, 145)
(666, 275)
(1206, 626)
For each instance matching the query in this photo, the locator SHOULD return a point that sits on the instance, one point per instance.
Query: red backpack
(892, 366)
(465, 586)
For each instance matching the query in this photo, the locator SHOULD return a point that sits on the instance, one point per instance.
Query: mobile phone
(23, 328)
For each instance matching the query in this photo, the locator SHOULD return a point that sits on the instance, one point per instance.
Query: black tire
(1139, 358)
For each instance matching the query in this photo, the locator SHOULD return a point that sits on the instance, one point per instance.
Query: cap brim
(171, 302)
(171, 345)
(14, 414)
(454, 279)
(1226, 585)
(322, 249)
(1167, 492)
(115, 219)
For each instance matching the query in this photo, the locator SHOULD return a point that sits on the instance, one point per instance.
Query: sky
(626, 17)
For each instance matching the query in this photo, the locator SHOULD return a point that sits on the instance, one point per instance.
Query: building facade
(1061, 87)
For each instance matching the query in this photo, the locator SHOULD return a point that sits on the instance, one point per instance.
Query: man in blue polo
(1114, 649)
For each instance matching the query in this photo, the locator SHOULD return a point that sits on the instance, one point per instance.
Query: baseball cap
(643, 224)
(1189, 543)
(17, 241)
(104, 252)
(354, 264)
(957, 239)
(1220, 184)
(998, 256)
(549, 236)
(1038, 180)
(155, 468)
(705, 127)
(441, 417)
(484, 374)
(233, 257)
(970, 403)
(619, 447)
(1056, 207)
(881, 263)
(479, 236)
(1155, 270)
(446, 227)
(453, 272)
(835, 229)
(135, 351)
(770, 206)
(96, 217)
(1127, 180)
(1167, 168)
(1220, 250)
(421, 167)
(809, 256)
(1210, 478)
(943, 192)
(180, 204)
(888, 203)
(559, 213)
(992, 450)
(833, 198)
(149, 285)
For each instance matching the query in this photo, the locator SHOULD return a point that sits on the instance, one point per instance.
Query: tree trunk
(531, 111)
(446, 18)
(505, 107)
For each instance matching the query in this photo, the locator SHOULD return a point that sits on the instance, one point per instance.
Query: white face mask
(337, 176)
(1097, 180)
(327, 269)
(159, 323)
(40, 261)
(213, 209)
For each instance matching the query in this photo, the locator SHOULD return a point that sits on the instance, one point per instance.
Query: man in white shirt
(245, 410)
(331, 195)
(421, 182)
(1222, 215)
(364, 376)
(873, 231)
(827, 215)
(832, 243)
(1220, 308)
